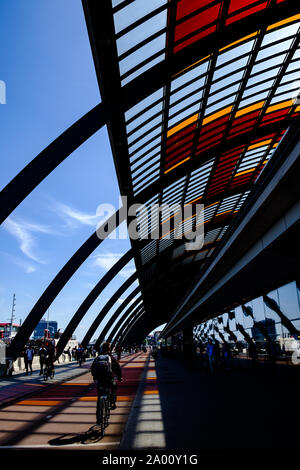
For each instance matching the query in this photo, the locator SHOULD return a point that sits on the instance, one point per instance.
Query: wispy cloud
(23, 231)
(71, 215)
(126, 272)
(107, 260)
(26, 266)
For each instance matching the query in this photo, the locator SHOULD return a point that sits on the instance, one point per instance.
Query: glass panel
(288, 300)
(115, 3)
(293, 66)
(191, 100)
(142, 54)
(256, 89)
(223, 94)
(152, 165)
(190, 75)
(145, 176)
(142, 32)
(263, 76)
(217, 106)
(183, 115)
(285, 97)
(186, 7)
(238, 4)
(144, 104)
(246, 13)
(135, 11)
(141, 185)
(186, 90)
(237, 64)
(239, 316)
(281, 33)
(273, 320)
(290, 87)
(195, 37)
(291, 77)
(296, 54)
(197, 22)
(248, 321)
(268, 63)
(135, 163)
(143, 69)
(144, 129)
(234, 53)
(144, 117)
(145, 139)
(236, 77)
(253, 99)
(146, 147)
(268, 51)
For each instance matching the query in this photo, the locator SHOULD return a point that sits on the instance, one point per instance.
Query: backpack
(102, 369)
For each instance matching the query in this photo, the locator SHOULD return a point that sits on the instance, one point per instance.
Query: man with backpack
(104, 369)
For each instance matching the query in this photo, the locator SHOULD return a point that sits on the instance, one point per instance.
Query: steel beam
(57, 285)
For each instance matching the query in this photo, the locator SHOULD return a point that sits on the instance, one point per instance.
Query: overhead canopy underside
(199, 94)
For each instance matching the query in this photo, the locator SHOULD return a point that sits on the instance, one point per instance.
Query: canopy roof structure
(199, 93)
(197, 96)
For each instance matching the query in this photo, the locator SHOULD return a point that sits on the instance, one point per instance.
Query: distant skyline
(50, 79)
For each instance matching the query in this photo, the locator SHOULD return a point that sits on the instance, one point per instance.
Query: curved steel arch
(58, 283)
(101, 315)
(131, 314)
(49, 158)
(90, 299)
(121, 323)
(134, 334)
(117, 313)
(129, 318)
(124, 316)
(40, 167)
(123, 334)
(143, 326)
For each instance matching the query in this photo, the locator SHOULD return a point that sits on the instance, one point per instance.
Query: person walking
(119, 350)
(29, 356)
(226, 354)
(79, 355)
(42, 354)
(210, 351)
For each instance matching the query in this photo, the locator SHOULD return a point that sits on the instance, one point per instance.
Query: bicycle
(103, 408)
(48, 372)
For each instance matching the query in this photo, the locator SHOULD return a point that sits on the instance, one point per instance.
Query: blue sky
(47, 65)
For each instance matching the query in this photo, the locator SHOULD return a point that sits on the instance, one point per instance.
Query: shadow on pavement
(91, 436)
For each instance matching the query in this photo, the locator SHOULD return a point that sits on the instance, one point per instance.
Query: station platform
(163, 404)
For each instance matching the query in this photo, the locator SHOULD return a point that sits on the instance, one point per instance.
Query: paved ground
(164, 404)
(191, 409)
(20, 383)
(63, 415)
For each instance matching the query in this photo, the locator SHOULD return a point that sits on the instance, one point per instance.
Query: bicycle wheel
(100, 416)
(107, 411)
(45, 375)
(112, 401)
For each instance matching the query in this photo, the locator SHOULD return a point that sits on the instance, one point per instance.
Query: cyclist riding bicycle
(104, 369)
